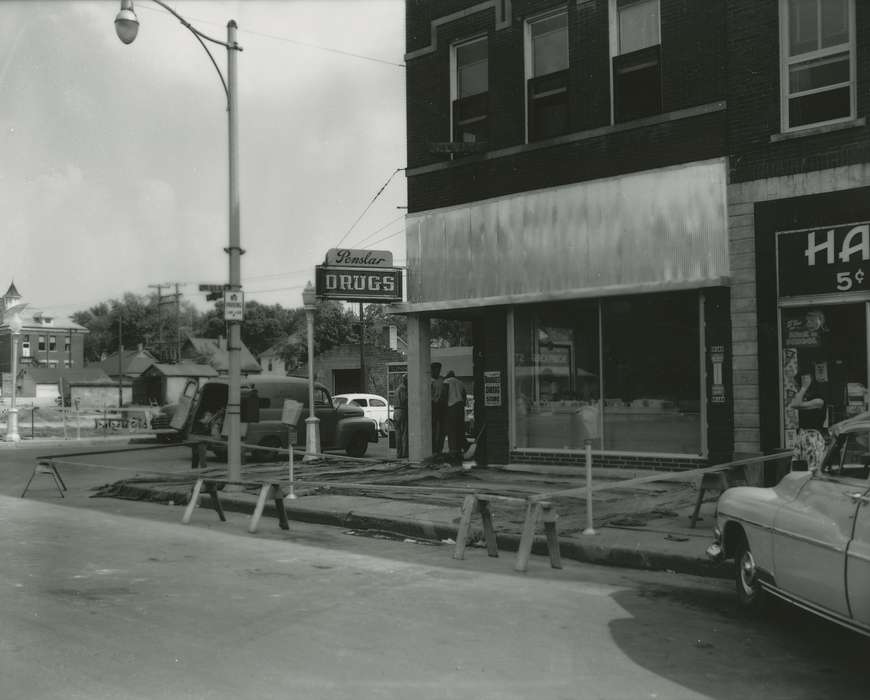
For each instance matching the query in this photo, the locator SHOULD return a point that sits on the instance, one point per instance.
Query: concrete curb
(590, 551)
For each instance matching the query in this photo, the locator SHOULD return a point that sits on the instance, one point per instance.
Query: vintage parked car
(200, 412)
(807, 539)
(375, 407)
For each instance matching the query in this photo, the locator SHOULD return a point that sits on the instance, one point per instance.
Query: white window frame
(614, 48)
(454, 66)
(785, 62)
(528, 59)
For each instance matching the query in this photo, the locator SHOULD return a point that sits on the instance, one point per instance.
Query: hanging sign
(379, 284)
(358, 258)
(832, 260)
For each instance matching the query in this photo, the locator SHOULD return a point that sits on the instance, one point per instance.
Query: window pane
(835, 22)
(820, 107)
(819, 73)
(638, 25)
(637, 89)
(652, 374)
(556, 375)
(550, 45)
(803, 24)
(472, 68)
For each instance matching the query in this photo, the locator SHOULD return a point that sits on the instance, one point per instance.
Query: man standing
(455, 416)
(439, 404)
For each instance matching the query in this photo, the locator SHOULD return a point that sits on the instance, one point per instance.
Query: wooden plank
(528, 536)
(488, 530)
(192, 503)
(279, 507)
(211, 487)
(550, 518)
(468, 507)
(258, 509)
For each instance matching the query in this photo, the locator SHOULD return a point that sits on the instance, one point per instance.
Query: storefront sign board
(828, 260)
(350, 257)
(380, 284)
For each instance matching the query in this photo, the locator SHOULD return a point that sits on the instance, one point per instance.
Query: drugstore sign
(831, 260)
(382, 284)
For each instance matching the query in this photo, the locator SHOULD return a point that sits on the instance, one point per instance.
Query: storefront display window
(828, 344)
(643, 351)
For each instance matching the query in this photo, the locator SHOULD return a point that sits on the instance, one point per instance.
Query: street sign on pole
(234, 306)
(213, 287)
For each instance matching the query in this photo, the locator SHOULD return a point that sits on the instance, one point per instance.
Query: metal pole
(363, 384)
(120, 366)
(12, 416)
(590, 530)
(234, 436)
(312, 423)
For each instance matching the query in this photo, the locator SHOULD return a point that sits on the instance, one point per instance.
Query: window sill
(816, 130)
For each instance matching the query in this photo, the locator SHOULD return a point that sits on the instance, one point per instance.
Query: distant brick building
(604, 187)
(45, 341)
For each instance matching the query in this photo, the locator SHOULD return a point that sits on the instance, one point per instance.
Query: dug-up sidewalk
(637, 525)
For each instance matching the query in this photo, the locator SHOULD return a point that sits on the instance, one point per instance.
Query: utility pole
(120, 365)
(162, 300)
(159, 288)
(177, 323)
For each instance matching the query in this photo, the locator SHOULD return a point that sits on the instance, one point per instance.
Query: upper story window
(52, 343)
(470, 90)
(41, 343)
(818, 62)
(25, 346)
(547, 76)
(636, 44)
(66, 342)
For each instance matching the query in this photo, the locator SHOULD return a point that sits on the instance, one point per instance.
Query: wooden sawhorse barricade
(535, 511)
(46, 467)
(268, 489)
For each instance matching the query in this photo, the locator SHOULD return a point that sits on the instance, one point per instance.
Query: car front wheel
(359, 443)
(749, 593)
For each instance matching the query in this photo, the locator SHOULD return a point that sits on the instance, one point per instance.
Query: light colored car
(375, 407)
(807, 539)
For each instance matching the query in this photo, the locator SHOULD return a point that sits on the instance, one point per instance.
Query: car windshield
(339, 401)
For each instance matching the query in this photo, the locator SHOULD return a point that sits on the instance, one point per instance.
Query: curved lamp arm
(127, 15)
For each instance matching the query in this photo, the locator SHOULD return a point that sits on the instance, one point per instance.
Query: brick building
(599, 186)
(45, 341)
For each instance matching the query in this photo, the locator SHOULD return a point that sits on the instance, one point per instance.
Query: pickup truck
(201, 410)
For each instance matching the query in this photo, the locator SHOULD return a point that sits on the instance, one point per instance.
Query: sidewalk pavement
(655, 539)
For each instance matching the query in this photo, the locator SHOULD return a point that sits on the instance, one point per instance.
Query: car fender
(748, 511)
(349, 426)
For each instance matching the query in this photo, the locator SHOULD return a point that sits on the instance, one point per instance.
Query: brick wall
(693, 70)
(754, 100)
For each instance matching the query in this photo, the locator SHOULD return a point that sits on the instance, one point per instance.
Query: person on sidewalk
(456, 394)
(439, 408)
(400, 415)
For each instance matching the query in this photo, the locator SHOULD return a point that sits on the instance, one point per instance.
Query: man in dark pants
(439, 408)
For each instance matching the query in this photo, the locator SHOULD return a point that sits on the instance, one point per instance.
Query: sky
(113, 157)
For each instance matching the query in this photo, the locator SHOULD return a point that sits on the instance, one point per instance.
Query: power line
(377, 231)
(368, 206)
(297, 42)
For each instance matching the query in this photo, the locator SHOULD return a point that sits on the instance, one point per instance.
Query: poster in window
(492, 388)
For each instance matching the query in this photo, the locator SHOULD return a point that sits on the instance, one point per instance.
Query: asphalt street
(102, 598)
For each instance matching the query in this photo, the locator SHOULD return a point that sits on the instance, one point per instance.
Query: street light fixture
(312, 423)
(15, 325)
(127, 26)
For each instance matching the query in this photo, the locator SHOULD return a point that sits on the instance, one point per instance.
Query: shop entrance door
(828, 343)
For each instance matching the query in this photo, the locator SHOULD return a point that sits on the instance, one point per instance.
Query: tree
(138, 317)
(263, 327)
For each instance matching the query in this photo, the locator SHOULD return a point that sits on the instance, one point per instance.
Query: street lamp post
(312, 423)
(15, 325)
(127, 26)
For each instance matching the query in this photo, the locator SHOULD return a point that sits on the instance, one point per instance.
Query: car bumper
(715, 551)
